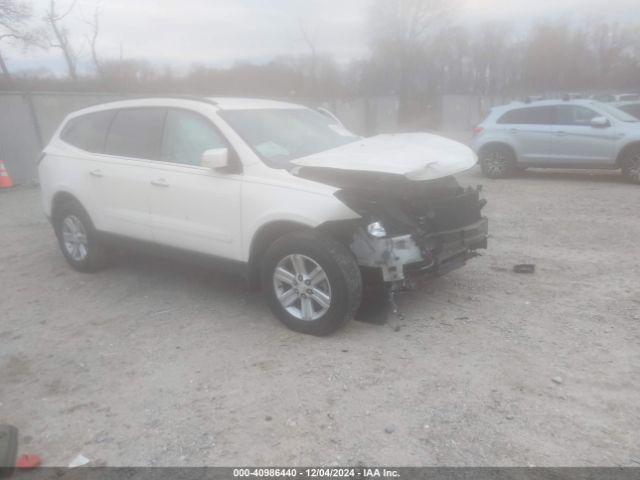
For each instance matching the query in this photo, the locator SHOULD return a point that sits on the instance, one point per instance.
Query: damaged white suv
(284, 193)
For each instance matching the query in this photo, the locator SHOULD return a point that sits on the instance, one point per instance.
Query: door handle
(161, 182)
(513, 130)
(96, 173)
(560, 133)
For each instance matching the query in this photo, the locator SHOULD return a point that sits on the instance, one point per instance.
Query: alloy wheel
(302, 287)
(74, 237)
(632, 167)
(496, 163)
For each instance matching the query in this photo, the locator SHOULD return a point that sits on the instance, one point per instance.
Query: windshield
(280, 135)
(617, 113)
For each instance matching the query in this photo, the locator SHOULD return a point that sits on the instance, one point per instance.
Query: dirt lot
(152, 362)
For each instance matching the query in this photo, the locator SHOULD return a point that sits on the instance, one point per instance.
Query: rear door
(529, 129)
(193, 207)
(121, 179)
(87, 133)
(575, 143)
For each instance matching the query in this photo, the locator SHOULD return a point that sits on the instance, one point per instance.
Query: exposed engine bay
(410, 228)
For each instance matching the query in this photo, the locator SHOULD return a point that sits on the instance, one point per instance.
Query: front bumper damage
(410, 255)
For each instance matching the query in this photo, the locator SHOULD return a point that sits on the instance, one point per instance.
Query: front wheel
(311, 282)
(631, 165)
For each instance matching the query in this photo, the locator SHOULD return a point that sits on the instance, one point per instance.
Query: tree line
(419, 50)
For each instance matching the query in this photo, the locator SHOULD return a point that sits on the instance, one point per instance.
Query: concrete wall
(19, 140)
(27, 122)
(463, 112)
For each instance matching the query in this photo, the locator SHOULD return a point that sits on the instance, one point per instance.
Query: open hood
(408, 156)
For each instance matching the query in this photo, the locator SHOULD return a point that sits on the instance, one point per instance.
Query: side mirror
(216, 158)
(599, 122)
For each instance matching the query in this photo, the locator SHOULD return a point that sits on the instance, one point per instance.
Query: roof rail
(196, 98)
(124, 98)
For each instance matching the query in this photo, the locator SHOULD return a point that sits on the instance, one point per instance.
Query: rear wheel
(631, 165)
(312, 283)
(497, 161)
(77, 238)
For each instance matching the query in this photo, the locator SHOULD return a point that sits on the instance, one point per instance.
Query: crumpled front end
(423, 228)
(405, 256)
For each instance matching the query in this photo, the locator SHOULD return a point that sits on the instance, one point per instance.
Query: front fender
(265, 204)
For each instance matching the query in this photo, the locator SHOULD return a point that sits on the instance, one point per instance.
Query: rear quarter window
(88, 132)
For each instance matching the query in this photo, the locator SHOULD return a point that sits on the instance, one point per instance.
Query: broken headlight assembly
(376, 230)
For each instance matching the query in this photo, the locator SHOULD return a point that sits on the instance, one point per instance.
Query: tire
(497, 161)
(331, 296)
(631, 165)
(77, 238)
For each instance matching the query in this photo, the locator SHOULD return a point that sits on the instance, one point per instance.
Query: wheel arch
(625, 150)
(497, 143)
(263, 239)
(60, 199)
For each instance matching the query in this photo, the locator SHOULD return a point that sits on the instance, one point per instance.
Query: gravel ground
(153, 362)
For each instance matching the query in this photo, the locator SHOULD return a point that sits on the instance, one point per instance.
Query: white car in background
(615, 97)
(558, 134)
(281, 192)
(632, 108)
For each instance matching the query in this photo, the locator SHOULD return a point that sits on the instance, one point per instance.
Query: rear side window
(528, 116)
(137, 133)
(88, 132)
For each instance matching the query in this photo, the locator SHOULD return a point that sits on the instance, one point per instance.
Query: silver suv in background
(558, 134)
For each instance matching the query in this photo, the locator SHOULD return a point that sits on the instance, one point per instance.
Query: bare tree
(403, 30)
(61, 35)
(310, 40)
(14, 18)
(92, 38)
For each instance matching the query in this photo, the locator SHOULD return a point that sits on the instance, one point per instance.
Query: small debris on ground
(525, 268)
(79, 461)
(390, 429)
(557, 380)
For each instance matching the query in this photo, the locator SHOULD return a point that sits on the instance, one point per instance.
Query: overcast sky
(222, 32)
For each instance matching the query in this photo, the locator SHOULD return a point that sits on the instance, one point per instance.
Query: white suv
(558, 134)
(284, 193)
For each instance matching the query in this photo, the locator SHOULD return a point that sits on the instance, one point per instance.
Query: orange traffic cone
(5, 179)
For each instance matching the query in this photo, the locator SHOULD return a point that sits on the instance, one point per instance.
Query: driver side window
(187, 135)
